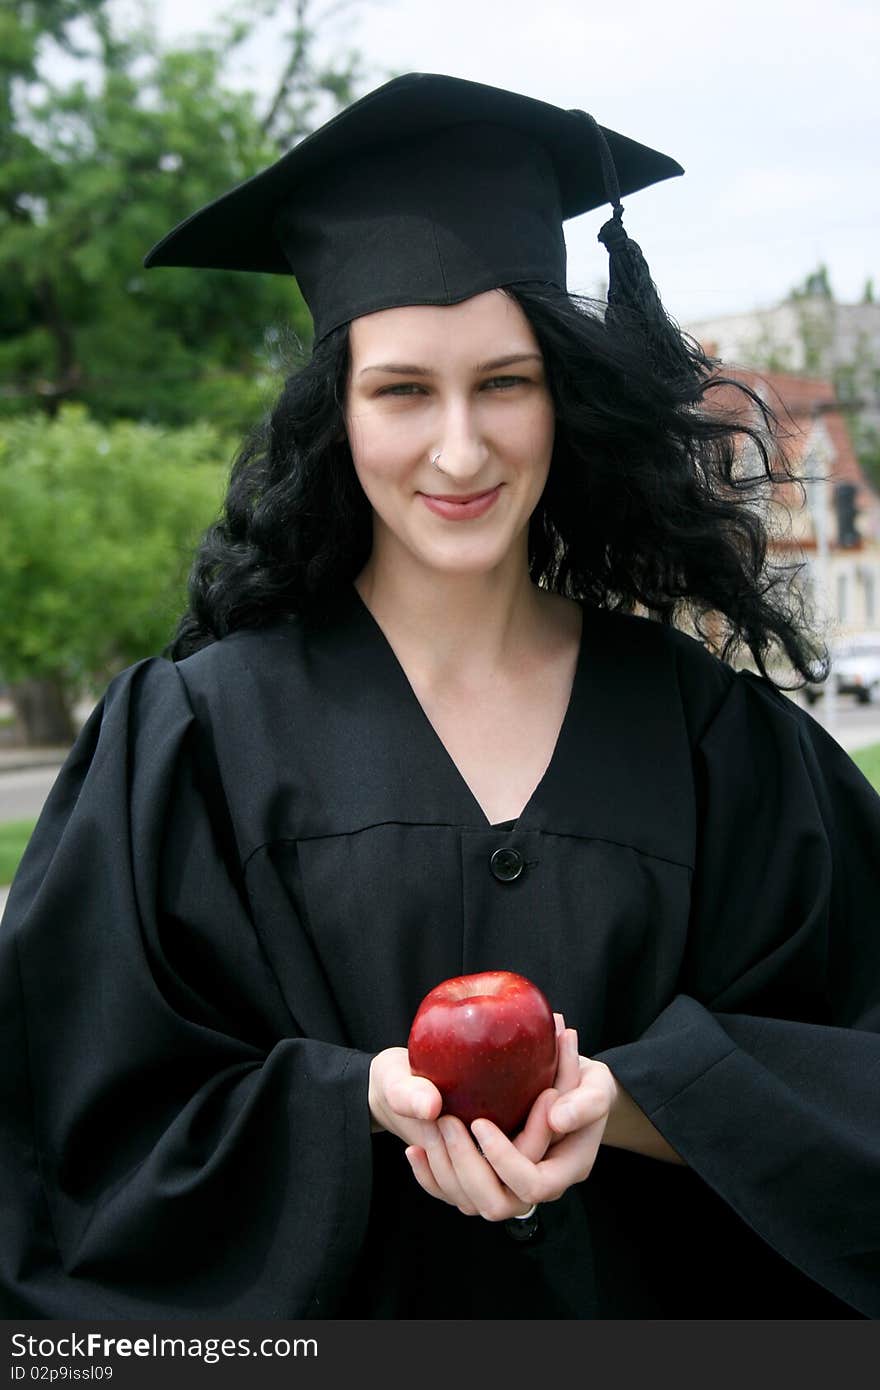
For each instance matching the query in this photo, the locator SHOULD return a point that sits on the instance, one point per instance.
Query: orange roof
(797, 401)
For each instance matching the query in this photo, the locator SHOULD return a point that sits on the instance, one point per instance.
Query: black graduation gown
(257, 861)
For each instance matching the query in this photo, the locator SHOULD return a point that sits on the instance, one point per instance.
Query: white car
(855, 668)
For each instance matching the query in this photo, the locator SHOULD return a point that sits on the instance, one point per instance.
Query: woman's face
(466, 381)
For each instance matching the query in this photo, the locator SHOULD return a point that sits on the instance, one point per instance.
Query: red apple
(488, 1043)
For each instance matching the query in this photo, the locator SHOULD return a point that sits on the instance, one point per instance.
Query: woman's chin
(465, 567)
(450, 557)
(471, 556)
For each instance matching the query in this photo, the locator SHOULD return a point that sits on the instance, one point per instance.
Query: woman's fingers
(499, 1179)
(453, 1161)
(450, 1167)
(423, 1172)
(418, 1161)
(568, 1162)
(406, 1105)
(590, 1100)
(537, 1135)
(576, 1118)
(483, 1191)
(414, 1097)
(512, 1167)
(568, 1062)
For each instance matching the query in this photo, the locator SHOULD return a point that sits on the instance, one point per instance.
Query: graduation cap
(429, 190)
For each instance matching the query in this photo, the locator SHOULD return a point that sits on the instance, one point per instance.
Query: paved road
(22, 793)
(854, 726)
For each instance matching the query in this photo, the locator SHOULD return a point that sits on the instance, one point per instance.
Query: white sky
(771, 106)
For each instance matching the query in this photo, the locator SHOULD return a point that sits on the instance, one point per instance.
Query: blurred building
(827, 520)
(810, 336)
(832, 521)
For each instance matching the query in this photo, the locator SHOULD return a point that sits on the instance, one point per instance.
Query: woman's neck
(463, 629)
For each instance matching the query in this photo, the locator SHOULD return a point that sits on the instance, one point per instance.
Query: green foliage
(103, 491)
(106, 175)
(14, 835)
(98, 524)
(93, 171)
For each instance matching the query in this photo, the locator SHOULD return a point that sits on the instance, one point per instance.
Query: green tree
(98, 523)
(307, 82)
(99, 157)
(97, 169)
(817, 285)
(814, 305)
(104, 175)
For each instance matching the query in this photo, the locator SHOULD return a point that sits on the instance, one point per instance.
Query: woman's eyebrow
(408, 369)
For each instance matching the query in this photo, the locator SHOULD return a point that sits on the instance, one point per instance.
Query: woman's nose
(461, 444)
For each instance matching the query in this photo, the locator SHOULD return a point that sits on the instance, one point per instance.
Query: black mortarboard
(428, 190)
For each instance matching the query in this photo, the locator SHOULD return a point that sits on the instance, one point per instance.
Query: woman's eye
(404, 389)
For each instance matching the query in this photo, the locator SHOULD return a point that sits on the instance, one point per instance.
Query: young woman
(412, 728)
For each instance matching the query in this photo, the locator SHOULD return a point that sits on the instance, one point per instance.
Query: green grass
(14, 835)
(867, 760)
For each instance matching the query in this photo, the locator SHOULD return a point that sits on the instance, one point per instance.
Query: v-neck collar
(330, 739)
(531, 811)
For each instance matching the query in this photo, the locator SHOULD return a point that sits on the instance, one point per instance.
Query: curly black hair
(655, 499)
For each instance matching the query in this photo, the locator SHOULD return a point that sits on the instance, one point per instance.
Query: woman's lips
(461, 509)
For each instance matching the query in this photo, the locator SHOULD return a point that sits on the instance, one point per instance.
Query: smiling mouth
(462, 508)
(467, 497)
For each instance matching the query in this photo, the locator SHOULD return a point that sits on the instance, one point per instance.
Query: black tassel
(633, 299)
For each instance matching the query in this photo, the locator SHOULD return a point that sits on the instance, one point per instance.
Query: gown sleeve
(764, 1072)
(171, 1145)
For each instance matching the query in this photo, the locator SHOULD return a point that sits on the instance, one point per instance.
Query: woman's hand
(496, 1177)
(556, 1148)
(408, 1106)
(400, 1102)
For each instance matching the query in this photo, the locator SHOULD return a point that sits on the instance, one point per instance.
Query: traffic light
(845, 507)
